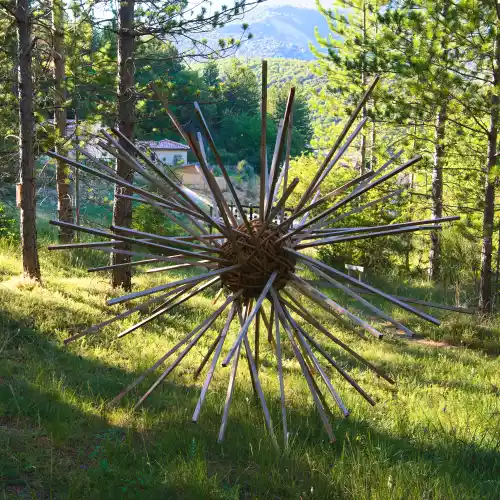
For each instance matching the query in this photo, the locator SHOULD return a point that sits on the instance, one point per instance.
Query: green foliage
(8, 229)
(148, 219)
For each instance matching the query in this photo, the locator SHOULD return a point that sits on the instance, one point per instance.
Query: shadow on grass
(58, 440)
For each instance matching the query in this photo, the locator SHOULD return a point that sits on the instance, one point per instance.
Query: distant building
(192, 176)
(167, 151)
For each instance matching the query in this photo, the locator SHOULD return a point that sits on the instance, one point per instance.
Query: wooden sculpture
(255, 261)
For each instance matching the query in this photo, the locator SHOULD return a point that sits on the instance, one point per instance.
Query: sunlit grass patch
(435, 435)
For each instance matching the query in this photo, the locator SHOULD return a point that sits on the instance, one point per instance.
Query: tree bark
(31, 266)
(437, 190)
(364, 141)
(485, 303)
(122, 209)
(64, 205)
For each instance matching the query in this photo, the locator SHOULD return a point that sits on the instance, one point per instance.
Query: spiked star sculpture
(254, 260)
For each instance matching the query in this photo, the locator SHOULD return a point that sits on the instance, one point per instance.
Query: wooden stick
(279, 205)
(357, 194)
(361, 236)
(361, 208)
(279, 134)
(208, 378)
(242, 319)
(389, 162)
(307, 375)
(314, 200)
(90, 244)
(273, 175)
(99, 232)
(170, 206)
(341, 152)
(327, 303)
(229, 395)
(203, 152)
(166, 239)
(156, 169)
(198, 263)
(125, 314)
(116, 180)
(263, 147)
(250, 318)
(342, 372)
(365, 286)
(343, 231)
(338, 141)
(434, 305)
(181, 356)
(226, 214)
(270, 337)
(208, 320)
(302, 311)
(159, 288)
(175, 188)
(279, 360)
(168, 306)
(286, 167)
(124, 264)
(257, 340)
(362, 301)
(153, 258)
(223, 169)
(265, 410)
(208, 175)
(317, 365)
(316, 203)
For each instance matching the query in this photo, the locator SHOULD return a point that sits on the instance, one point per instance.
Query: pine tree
(348, 55)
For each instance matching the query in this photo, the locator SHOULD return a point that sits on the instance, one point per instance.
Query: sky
(296, 3)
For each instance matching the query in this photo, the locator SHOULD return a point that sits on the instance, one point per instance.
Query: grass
(436, 435)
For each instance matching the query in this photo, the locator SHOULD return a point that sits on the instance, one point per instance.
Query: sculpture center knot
(260, 255)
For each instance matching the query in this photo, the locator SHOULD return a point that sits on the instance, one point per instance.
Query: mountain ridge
(279, 32)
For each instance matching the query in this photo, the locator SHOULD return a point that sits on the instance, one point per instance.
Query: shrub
(8, 228)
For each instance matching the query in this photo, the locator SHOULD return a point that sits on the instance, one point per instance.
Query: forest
(70, 69)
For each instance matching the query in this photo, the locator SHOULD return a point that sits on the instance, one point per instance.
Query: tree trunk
(362, 169)
(64, 208)
(122, 209)
(437, 191)
(31, 266)
(373, 151)
(485, 303)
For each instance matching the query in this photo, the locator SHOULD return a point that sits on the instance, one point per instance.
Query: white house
(167, 151)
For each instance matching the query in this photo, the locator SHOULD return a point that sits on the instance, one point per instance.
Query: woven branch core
(258, 261)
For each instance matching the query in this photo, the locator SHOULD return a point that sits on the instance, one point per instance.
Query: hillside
(283, 31)
(280, 71)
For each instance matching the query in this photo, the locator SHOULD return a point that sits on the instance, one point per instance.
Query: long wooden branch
(159, 288)
(364, 286)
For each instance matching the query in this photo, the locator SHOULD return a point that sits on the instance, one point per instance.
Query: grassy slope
(437, 436)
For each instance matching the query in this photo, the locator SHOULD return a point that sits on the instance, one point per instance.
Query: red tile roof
(165, 144)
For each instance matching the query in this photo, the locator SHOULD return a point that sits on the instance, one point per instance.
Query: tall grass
(436, 435)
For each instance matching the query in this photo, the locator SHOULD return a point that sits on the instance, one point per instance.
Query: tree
(302, 128)
(240, 89)
(416, 51)
(24, 21)
(64, 204)
(350, 61)
(122, 207)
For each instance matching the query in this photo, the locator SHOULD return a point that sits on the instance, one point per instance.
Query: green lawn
(436, 436)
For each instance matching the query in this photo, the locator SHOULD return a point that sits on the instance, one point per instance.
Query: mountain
(282, 31)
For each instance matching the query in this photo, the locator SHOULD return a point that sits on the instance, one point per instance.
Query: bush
(148, 219)
(8, 229)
